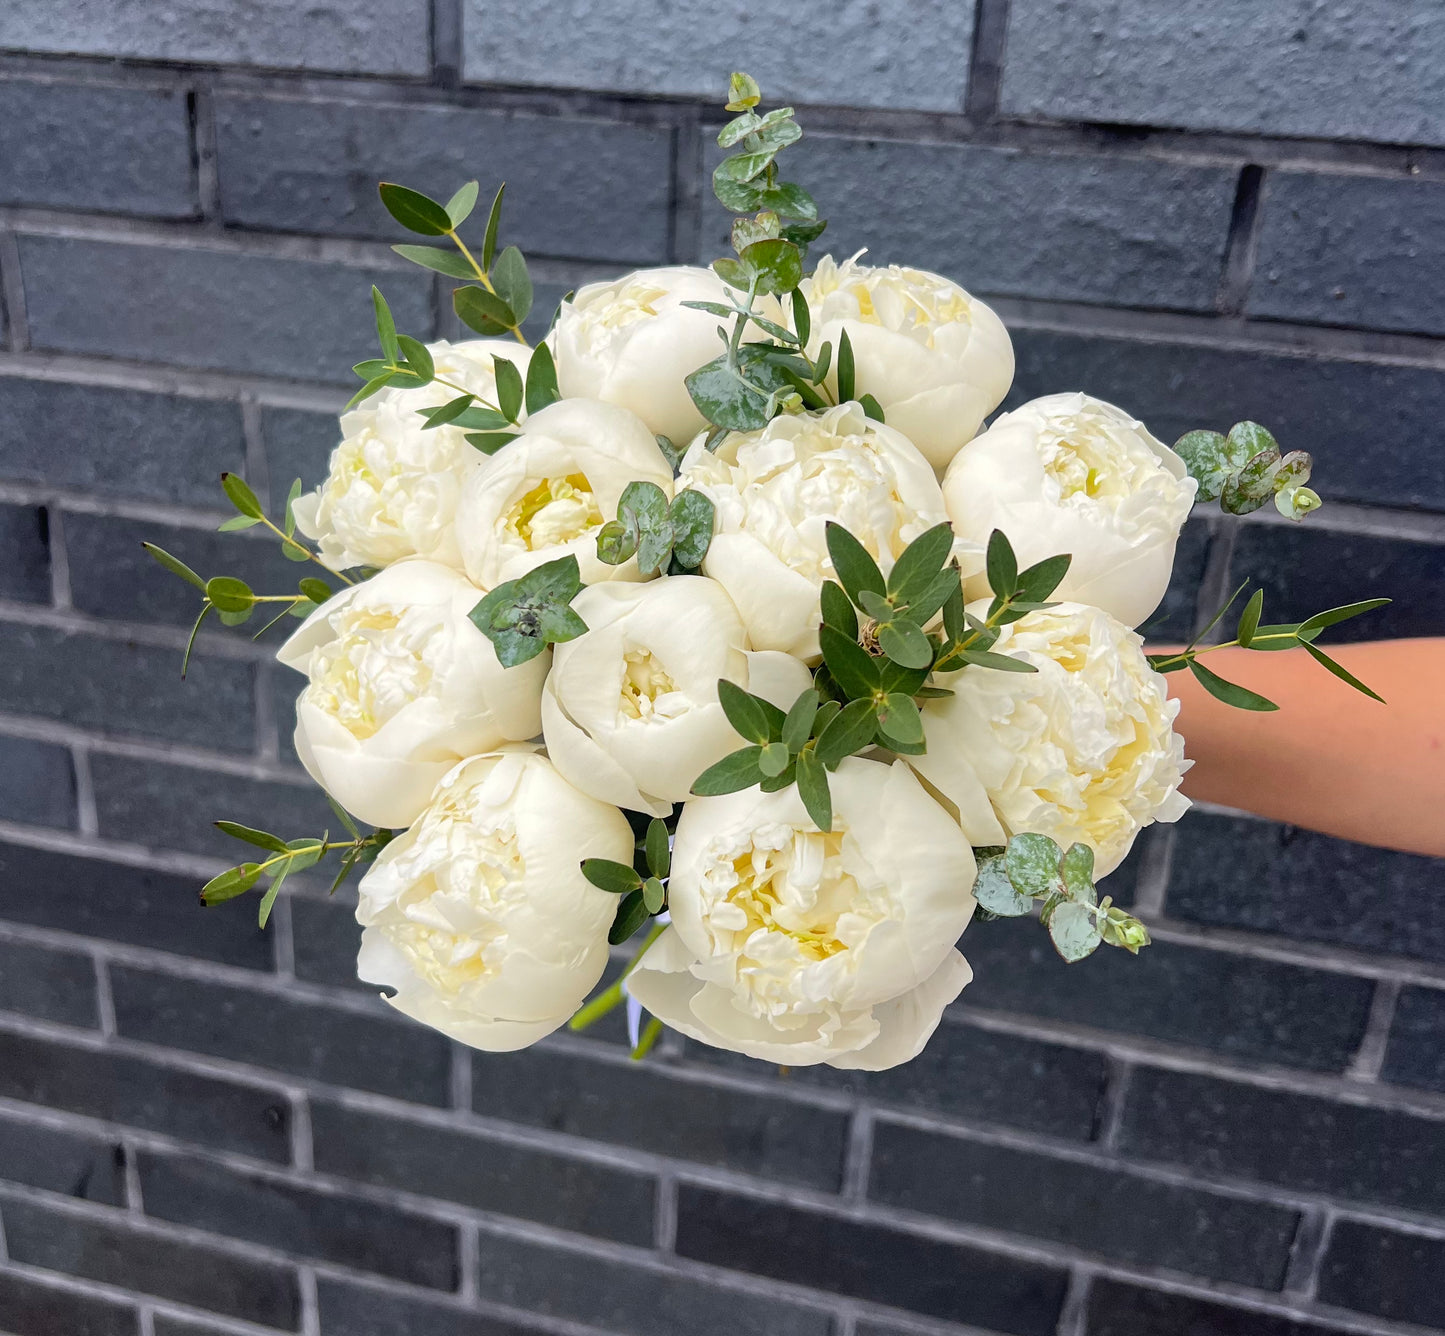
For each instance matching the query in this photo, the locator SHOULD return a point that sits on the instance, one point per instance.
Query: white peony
(1067, 473)
(547, 493)
(630, 710)
(798, 948)
(402, 687)
(392, 487)
(776, 489)
(479, 916)
(1084, 749)
(937, 360)
(631, 342)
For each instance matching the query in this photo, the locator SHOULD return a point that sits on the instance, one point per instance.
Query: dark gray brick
(299, 1222)
(24, 554)
(1133, 232)
(126, 687)
(37, 783)
(30, 1305)
(118, 442)
(381, 1053)
(1190, 995)
(868, 1261)
(313, 167)
(967, 1072)
(1351, 416)
(112, 576)
(1117, 1309)
(1415, 1055)
(171, 806)
(75, 1163)
(1235, 873)
(325, 939)
(1176, 617)
(298, 444)
(224, 1115)
(1098, 1209)
(1352, 250)
(606, 1293)
(110, 1250)
(1376, 1270)
(490, 1175)
(891, 55)
(1355, 72)
(358, 36)
(114, 150)
(302, 319)
(121, 903)
(780, 1140)
(1303, 1142)
(357, 1310)
(1304, 570)
(54, 985)
(162, 1324)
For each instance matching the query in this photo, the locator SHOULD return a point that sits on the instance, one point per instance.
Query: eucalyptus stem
(301, 547)
(609, 1000)
(484, 278)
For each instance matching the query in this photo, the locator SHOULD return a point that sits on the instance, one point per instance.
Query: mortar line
(130, 1170)
(1306, 1253)
(469, 1262)
(310, 1301)
(145, 1320)
(205, 158)
(1242, 246)
(858, 1155)
(447, 50)
(87, 816)
(12, 294)
(1116, 1096)
(104, 997)
(61, 594)
(1073, 1314)
(664, 1230)
(1370, 1057)
(985, 71)
(1155, 864)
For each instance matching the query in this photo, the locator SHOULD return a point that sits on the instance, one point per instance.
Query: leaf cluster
(1245, 468)
(288, 856)
(522, 617)
(1249, 634)
(642, 884)
(671, 537)
(1033, 867)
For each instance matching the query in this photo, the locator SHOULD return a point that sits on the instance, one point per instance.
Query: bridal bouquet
(714, 619)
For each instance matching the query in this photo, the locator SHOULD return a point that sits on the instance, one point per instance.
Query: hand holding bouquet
(715, 618)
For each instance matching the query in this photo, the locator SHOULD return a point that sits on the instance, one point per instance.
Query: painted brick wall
(1201, 210)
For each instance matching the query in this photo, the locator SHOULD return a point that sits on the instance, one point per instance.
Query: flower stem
(482, 275)
(611, 998)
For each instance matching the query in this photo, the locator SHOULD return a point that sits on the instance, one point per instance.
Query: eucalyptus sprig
(230, 597)
(671, 537)
(1245, 468)
(288, 856)
(522, 617)
(1249, 634)
(1033, 867)
(642, 884)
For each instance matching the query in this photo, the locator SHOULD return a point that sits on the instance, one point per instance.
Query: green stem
(483, 277)
(611, 998)
(1184, 656)
(300, 546)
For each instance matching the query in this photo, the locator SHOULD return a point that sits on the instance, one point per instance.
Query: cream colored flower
(392, 486)
(801, 948)
(479, 916)
(937, 360)
(1068, 473)
(402, 687)
(630, 710)
(547, 493)
(776, 489)
(631, 342)
(1083, 749)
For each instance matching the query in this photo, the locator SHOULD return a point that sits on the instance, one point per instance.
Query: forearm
(1328, 759)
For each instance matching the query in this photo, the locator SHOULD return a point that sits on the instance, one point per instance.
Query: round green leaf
(608, 875)
(1073, 930)
(414, 211)
(995, 892)
(1033, 863)
(228, 594)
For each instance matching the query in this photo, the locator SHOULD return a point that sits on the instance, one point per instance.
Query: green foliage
(288, 856)
(1249, 634)
(672, 537)
(1245, 468)
(522, 617)
(1032, 868)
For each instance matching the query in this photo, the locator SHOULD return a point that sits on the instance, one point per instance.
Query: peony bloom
(1068, 473)
(479, 916)
(547, 493)
(402, 687)
(1083, 749)
(392, 487)
(799, 948)
(631, 342)
(937, 360)
(776, 489)
(630, 710)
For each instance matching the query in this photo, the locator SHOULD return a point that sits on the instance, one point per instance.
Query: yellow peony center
(644, 680)
(555, 511)
(379, 662)
(809, 923)
(628, 306)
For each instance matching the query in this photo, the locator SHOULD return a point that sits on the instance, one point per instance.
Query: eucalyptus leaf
(438, 260)
(1032, 861)
(460, 206)
(853, 563)
(482, 311)
(415, 211)
(1230, 692)
(745, 713)
(262, 839)
(849, 731)
(905, 643)
(228, 594)
(846, 387)
(230, 883)
(175, 565)
(631, 915)
(737, 770)
(494, 218)
(1249, 619)
(609, 875)
(898, 717)
(657, 848)
(1073, 931)
(241, 496)
(995, 892)
(385, 326)
(513, 283)
(851, 666)
(812, 780)
(692, 516)
(509, 388)
(541, 380)
(837, 609)
(1340, 671)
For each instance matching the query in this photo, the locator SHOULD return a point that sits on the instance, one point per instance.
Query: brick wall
(1205, 210)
